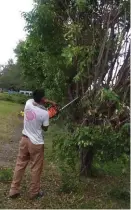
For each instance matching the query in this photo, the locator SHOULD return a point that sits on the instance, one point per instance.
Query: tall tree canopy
(77, 45)
(11, 76)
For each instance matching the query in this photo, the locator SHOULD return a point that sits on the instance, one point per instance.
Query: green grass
(9, 108)
(5, 174)
(9, 119)
(109, 191)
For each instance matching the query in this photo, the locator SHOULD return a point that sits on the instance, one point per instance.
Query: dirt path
(8, 151)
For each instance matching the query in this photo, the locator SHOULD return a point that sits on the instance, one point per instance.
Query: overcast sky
(11, 26)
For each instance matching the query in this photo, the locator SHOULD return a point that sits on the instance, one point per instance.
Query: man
(31, 147)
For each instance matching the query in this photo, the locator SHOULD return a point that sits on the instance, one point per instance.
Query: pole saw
(53, 110)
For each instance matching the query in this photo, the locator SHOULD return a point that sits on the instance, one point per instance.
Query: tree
(81, 48)
(11, 77)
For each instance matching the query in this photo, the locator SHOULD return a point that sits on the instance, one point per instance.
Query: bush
(117, 167)
(108, 146)
(16, 98)
(120, 194)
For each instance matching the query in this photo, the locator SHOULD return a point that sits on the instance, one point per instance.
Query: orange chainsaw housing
(53, 111)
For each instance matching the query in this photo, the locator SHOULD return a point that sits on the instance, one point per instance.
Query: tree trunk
(86, 156)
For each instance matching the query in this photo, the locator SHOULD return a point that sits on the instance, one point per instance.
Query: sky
(12, 26)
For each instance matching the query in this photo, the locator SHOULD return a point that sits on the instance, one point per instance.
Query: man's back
(34, 119)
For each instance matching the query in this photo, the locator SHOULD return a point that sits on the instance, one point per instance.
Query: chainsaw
(53, 110)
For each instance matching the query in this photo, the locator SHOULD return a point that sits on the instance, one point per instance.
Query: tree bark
(86, 156)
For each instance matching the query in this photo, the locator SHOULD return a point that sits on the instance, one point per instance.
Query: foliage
(64, 51)
(11, 77)
(117, 167)
(16, 98)
(120, 194)
(107, 144)
(69, 181)
(65, 149)
(40, 58)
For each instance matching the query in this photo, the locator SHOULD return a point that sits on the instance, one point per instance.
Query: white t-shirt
(34, 118)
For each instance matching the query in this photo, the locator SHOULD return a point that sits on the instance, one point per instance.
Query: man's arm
(46, 122)
(49, 101)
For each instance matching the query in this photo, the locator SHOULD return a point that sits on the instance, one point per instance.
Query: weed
(120, 194)
(5, 174)
(116, 168)
(68, 183)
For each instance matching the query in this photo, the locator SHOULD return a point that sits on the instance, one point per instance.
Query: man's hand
(50, 102)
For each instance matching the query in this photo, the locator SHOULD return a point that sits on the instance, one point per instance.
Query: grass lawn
(104, 192)
(9, 119)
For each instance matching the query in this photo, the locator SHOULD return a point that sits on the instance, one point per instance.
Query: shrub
(117, 167)
(120, 194)
(16, 98)
(108, 145)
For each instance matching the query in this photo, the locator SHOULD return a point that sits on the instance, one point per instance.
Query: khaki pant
(34, 154)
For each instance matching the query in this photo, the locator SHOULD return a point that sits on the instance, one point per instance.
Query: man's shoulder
(30, 100)
(28, 103)
(43, 111)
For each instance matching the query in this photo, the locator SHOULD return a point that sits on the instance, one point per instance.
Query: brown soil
(8, 151)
